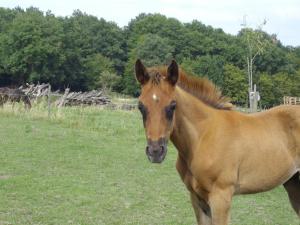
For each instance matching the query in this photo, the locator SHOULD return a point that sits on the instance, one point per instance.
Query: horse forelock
(155, 76)
(201, 88)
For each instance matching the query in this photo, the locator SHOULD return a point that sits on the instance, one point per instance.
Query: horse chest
(191, 180)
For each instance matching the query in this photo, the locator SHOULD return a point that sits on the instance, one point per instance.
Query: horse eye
(173, 105)
(143, 110)
(141, 107)
(170, 110)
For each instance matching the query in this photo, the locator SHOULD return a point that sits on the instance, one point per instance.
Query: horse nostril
(162, 148)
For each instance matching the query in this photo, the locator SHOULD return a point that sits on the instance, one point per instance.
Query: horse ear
(141, 72)
(173, 72)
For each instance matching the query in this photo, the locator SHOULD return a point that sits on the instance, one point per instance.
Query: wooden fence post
(63, 98)
(49, 100)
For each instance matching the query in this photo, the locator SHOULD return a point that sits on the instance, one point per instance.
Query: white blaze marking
(154, 97)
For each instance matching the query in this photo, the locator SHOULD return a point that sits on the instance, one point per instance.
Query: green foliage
(167, 28)
(129, 84)
(235, 84)
(74, 51)
(94, 66)
(210, 66)
(108, 81)
(268, 99)
(274, 88)
(152, 50)
(256, 41)
(296, 83)
(282, 86)
(31, 47)
(273, 60)
(38, 47)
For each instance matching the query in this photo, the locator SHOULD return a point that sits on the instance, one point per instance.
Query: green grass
(88, 166)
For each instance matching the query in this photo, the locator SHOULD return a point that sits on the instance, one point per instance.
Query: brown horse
(221, 152)
(14, 95)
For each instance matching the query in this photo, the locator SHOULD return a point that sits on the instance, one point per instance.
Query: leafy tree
(97, 36)
(7, 16)
(108, 81)
(88, 40)
(282, 86)
(255, 44)
(274, 88)
(167, 28)
(209, 65)
(94, 66)
(152, 50)
(295, 78)
(84, 52)
(273, 60)
(31, 47)
(292, 56)
(235, 84)
(266, 88)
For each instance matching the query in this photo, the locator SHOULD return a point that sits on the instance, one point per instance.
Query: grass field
(88, 166)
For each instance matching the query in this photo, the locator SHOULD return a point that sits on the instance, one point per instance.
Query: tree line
(83, 52)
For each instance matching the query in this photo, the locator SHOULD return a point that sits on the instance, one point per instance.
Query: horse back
(270, 148)
(256, 152)
(284, 120)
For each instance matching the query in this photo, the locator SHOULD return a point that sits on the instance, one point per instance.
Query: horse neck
(190, 115)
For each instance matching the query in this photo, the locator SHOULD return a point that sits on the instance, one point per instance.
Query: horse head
(157, 105)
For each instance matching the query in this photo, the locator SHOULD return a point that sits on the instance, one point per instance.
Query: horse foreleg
(292, 186)
(202, 210)
(220, 202)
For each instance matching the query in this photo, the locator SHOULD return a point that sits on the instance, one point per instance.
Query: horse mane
(201, 88)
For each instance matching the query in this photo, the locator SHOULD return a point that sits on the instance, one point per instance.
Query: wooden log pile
(68, 98)
(36, 91)
(83, 98)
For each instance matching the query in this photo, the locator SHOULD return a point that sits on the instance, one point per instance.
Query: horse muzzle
(156, 150)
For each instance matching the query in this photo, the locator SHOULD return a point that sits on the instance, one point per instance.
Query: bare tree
(256, 45)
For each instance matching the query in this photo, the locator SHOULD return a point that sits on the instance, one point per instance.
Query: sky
(283, 17)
